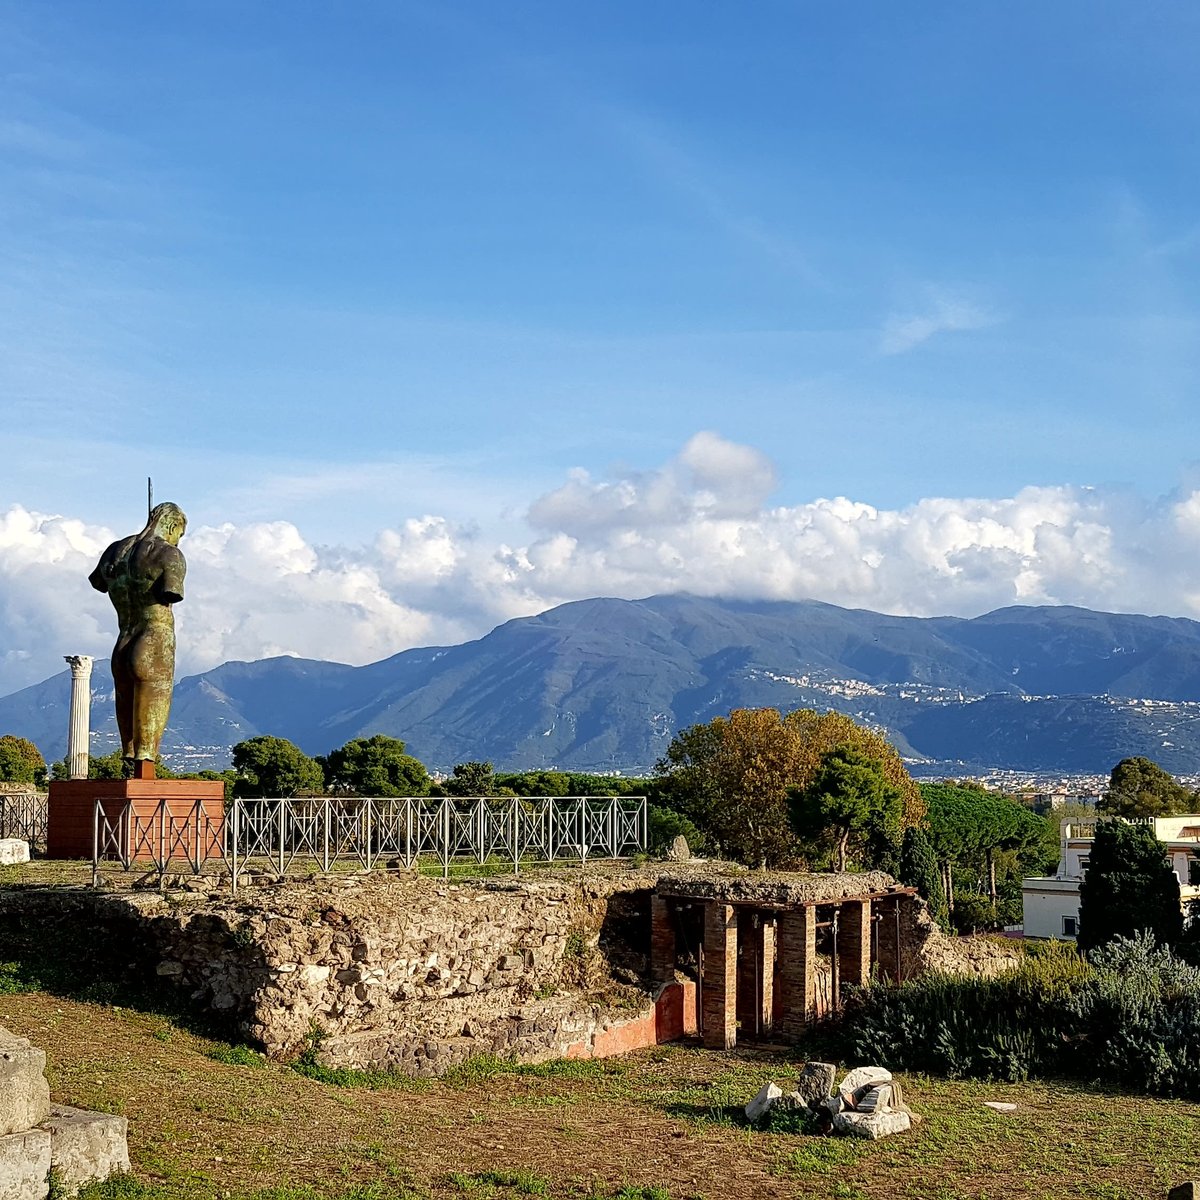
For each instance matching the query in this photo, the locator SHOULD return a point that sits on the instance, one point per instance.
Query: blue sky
(349, 266)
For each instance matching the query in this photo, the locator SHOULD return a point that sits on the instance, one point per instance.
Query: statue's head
(167, 522)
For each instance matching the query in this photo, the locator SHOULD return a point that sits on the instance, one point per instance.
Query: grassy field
(208, 1122)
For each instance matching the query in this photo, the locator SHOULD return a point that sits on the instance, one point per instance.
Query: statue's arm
(170, 582)
(97, 578)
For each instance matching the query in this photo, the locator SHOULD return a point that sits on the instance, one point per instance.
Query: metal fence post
(233, 870)
(96, 842)
(326, 813)
(515, 834)
(446, 839)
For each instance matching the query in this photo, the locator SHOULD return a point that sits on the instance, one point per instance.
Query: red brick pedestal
(144, 820)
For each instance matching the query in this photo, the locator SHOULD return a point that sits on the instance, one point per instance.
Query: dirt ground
(659, 1125)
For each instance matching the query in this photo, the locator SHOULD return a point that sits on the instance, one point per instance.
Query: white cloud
(942, 312)
(702, 522)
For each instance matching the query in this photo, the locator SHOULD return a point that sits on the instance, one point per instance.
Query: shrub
(1129, 1018)
(665, 825)
(1008, 1028)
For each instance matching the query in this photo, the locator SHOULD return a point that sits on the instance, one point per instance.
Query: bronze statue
(143, 576)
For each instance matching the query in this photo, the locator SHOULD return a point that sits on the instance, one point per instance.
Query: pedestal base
(140, 820)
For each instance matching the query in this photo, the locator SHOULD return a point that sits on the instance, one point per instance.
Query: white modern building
(1051, 905)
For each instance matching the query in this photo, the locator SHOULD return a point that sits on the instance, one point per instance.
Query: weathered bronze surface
(143, 577)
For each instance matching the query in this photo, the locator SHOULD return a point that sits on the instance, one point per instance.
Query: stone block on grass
(24, 1165)
(761, 1104)
(24, 1092)
(816, 1081)
(12, 851)
(86, 1146)
(871, 1125)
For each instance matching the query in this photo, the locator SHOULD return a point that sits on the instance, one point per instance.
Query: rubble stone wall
(399, 971)
(384, 971)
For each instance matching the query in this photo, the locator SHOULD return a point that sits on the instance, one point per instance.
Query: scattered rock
(761, 1104)
(871, 1125)
(24, 1092)
(861, 1076)
(86, 1146)
(679, 851)
(24, 1164)
(80, 1146)
(1000, 1106)
(13, 850)
(816, 1081)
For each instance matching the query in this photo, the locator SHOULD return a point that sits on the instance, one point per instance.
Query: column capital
(80, 664)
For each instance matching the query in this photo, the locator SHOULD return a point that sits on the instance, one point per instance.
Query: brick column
(854, 942)
(797, 950)
(766, 950)
(720, 976)
(662, 941)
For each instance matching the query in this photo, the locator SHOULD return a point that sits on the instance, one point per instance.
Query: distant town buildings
(1051, 904)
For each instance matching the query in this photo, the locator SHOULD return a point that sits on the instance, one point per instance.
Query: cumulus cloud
(942, 312)
(702, 522)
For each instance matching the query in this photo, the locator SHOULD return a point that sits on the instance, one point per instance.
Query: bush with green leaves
(1127, 1019)
(1010, 1027)
(665, 825)
(1141, 1017)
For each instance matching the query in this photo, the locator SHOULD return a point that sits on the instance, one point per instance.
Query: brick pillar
(766, 951)
(854, 942)
(720, 976)
(797, 951)
(662, 941)
(886, 940)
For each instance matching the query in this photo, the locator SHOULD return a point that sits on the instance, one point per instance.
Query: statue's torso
(143, 577)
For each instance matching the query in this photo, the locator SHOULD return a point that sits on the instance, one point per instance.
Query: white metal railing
(404, 829)
(24, 815)
(367, 831)
(155, 833)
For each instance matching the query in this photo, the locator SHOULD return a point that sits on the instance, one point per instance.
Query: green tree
(733, 776)
(1139, 787)
(1129, 886)
(273, 766)
(919, 869)
(375, 766)
(849, 798)
(21, 761)
(471, 779)
(983, 837)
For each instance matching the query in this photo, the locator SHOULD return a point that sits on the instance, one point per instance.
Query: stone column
(720, 976)
(662, 941)
(854, 942)
(797, 950)
(81, 714)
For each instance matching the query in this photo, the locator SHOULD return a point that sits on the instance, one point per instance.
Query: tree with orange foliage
(732, 776)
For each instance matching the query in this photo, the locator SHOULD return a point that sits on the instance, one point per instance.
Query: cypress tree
(1129, 886)
(919, 869)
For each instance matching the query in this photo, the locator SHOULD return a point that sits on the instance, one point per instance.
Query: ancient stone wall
(399, 971)
(388, 971)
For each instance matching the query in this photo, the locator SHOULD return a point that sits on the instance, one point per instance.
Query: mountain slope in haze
(604, 684)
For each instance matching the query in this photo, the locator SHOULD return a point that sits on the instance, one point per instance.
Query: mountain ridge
(603, 684)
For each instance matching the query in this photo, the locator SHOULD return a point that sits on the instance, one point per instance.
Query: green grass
(234, 1056)
(487, 1183)
(127, 1187)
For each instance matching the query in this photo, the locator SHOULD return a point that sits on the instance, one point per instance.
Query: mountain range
(602, 685)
